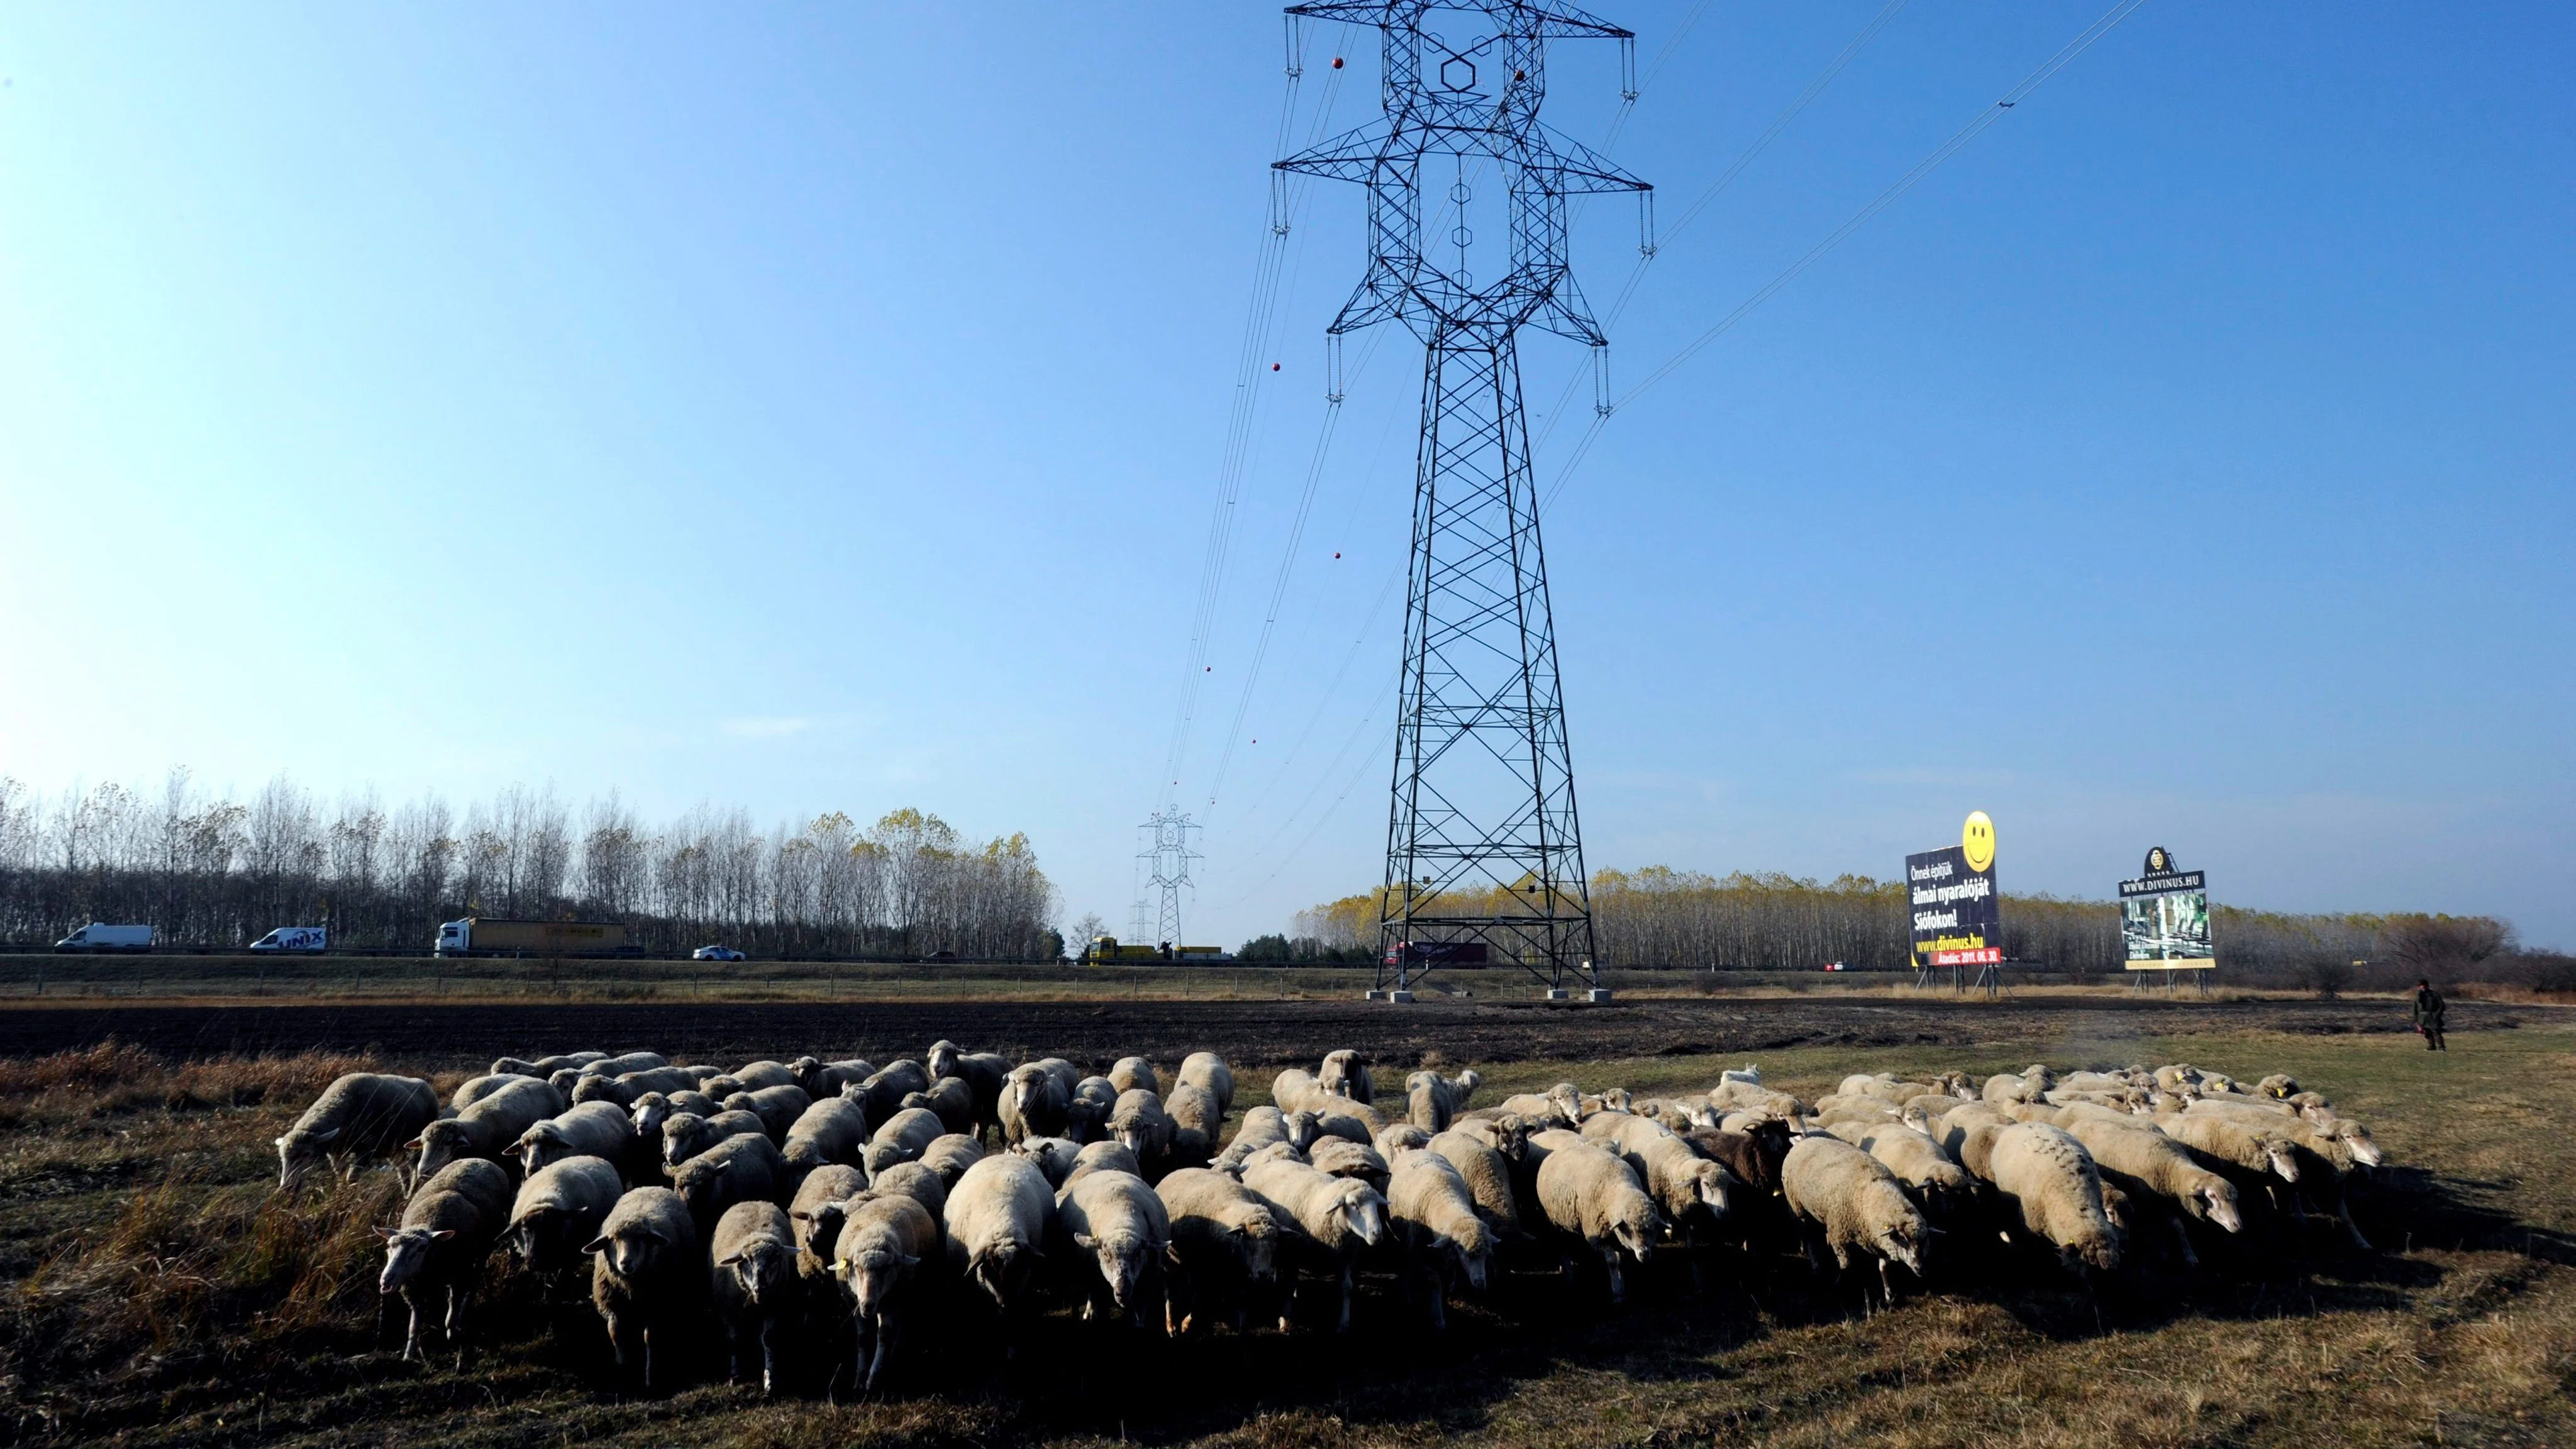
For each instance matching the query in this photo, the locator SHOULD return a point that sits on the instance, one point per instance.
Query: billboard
(1950, 900)
(2164, 918)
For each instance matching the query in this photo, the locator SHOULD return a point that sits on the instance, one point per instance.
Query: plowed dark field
(1247, 1033)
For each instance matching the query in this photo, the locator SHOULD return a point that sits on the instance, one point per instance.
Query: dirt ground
(1250, 1033)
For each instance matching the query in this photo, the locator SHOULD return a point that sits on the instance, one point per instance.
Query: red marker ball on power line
(1337, 553)
(1274, 367)
(1337, 62)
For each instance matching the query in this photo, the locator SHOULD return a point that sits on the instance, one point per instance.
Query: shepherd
(2428, 1016)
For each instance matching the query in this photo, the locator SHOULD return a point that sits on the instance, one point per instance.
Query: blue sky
(822, 408)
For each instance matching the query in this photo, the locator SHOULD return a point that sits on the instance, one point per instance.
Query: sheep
(2005, 1087)
(1854, 1205)
(912, 1180)
(981, 1071)
(1434, 1210)
(559, 1208)
(648, 1275)
(2319, 1158)
(1343, 1158)
(1488, 1175)
(1055, 1156)
(2230, 1142)
(1941, 1185)
(1191, 1147)
(2052, 1179)
(1586, 1192)
(1505, 1132)
(1336, 1218)
(1681, 1114)
(567, 1081)
(2279, 1084)
(884, 1090)
(1086, 1112)
(623, 1063)
(950, 1154)
(902, 1137)
(1140, 1123)
(1541, 1110)
(1432, 1101)
(1196, 1108)
(1278, 1152)
(777, 1107)
(878, 1260)
(1225, 1245)
(359, 1116)
(833, 1130)
(1100, 1157)
(624, 1088)
(475, 1089)
(752, 1280)
(1732, 1094)
(1613, 1099)
(1208, 1072)
(688, 1134)
(1296, 1090)
(750, 1077)
(1261, 1127)
(1604, 1126)
(1967, 1132)
(998, 1218)
(2164, 1166)
(1133, 1073)
(1032, 1104)
(1123, 1225)
(1065, 1072)
(1398, 1137)
(1691, 1190)
(821, 1205)
(1345, 1075)
(1753, 1156)
(739, 1169)
(593, 1129)
(487, 1128)
(951, 1099)
(448, 1228)
(822, 1079)
(543, 1067)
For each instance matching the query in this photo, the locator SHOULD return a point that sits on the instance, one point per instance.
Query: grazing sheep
(1194, 1107)
(1967, 1132)
(777, 1107)
(545, 1067)
(475, 1089)
(878, 1259)
(1488, 1176)
(360, 1116)
(1681, 1114)
(1208, 1072)
(624, 1088)
(1614, 1099)
(1032, 1104)
(448, 1229)
(1733, 1094)
(1086, 1112)
(1139, 1122)
(1691, 1190)
(487, 1128)
(833, 1130)
(1941, 1185)
(981, 1071)
(951, 1099)
(912, 1180)
(821, 1205)
(1586, 1192)
(2052, 1180)
(1397, 1137)
(1432, 1101)
(1342, 1117)
(883, 1092)
(1065, 1072)
(1277, 1152)
(902, 1137)
(623, 1063)
(950, 1154)
(1540, 1111)
(1855, 1204)
(1225, 1247)
(1120, 1222)
(752, 1280)
(747, 1168)
(649, 1113)
(750, 1077)
(558, 1209)
(822, 1079)
(1505, 1132)
(1433, 1209)
(998, 1217)
(1604, 1126)
(1261, 1127)
(1345, 1075)
(648, 1275)
(1055, 1156)
(1101, 1157)
(2228, 1142)
(2164, 1166)
(687, 1134)
(1296, 1090)
(567, 1081)
(1344, 1158)
(1336, 1218)
(1133, 1074)
(593, 1129)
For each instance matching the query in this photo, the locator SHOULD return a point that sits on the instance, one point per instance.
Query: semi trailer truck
(484, 936)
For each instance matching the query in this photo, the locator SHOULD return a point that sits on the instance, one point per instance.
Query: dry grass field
(157, 1293)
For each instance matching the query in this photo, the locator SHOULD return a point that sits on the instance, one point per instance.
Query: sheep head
(1301, 1129)
(764, 1269)
(1256, 1243)
(440, 1143)
(1000, 1269)
(942, 1059)
(593, 1088)
(2214, 1200)
(1125, 1261)
(1637, 1226)
(1903, 1243)
(407, 1255)
(1708, 1185)
(873, 1274)
(1362, 1211)
(538, 1146)
(649, 1113)
(299, 1151)
(2278, 1150)
(1474, 1249)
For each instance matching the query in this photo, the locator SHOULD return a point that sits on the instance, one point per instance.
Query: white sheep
(777, 1107)
(2165, 1166)
(359, 1117)
(747, 1168)
(878, 1259)
(558, 1209)
(2052, 1180)
(982, 1072)
(1055, 1156)
(753, 1280)
(1336, 1218)
(1032, 1104)
(1435, 1213)
(593, 1129)
(912, 1180)
(1432, 1101)
(1208, 1072)
(1397, 1137)
(1261, 1126)
(1345, 1075)
(1344, 1158)
(833, 1130)
(884, 1090)
(951, 1100)
(1296, 1090)
(821, 1205)
(950, 1155)
(1099, 1157)
(1140, 1124)
(448, 1229)
(1120, 1222)
(1488, 1175)
(1936, 1180)
(486, 1129)
(623, 1089)
(1692, 1191)
(686, 1134)
(1587, 1193)
(1086, 1112)
(1196, 1108)
(648, 1275)
(998, 1217)
(1130, 1074)
(1225, 1246)
(1855, 1205)
(475, 1089)
(902, 1137)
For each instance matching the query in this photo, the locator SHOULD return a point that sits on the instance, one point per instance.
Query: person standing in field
(2428, 1016)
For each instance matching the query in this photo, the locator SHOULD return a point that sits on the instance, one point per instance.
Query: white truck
(294, 938)
(97, 936)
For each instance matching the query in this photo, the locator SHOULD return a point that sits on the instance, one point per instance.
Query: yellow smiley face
(1978, 841)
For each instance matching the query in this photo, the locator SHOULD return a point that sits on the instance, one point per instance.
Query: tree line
(207, 870)
(1661, 917)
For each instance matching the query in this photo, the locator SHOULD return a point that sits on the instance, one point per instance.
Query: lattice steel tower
(1482, 844)
(1165, 859)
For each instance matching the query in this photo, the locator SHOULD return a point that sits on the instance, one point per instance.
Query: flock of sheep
(830, 1202)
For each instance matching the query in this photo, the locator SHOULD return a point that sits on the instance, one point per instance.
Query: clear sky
(822, 407)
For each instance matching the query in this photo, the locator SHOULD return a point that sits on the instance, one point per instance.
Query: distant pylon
(1483, 844)
(1165, 860)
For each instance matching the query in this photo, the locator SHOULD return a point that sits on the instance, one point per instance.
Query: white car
(715, 953)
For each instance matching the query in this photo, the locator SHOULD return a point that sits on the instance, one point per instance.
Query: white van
(98, 937)
(293, 938)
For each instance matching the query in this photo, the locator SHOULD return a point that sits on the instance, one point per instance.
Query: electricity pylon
(1165, 859)
(1484, 852)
